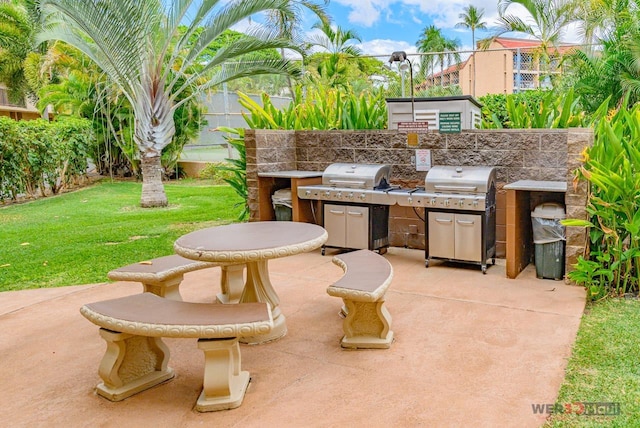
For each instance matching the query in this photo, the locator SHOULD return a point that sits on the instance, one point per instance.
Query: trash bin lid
(283, 195)
(550, 210)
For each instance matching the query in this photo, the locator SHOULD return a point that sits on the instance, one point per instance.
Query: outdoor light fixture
(401, 57)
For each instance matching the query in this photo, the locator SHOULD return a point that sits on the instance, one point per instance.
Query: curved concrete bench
(362, 288)
(162, 276)
(136, 359)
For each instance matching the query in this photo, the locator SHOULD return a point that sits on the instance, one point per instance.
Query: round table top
(245, 242)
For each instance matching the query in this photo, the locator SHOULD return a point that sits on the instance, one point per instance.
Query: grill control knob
(307, 193)
(447, 202)
(475, 202)
(363, 196)
(339, 195)
(350, 196)
(461, 202)
(327, 193)
(410, 200)
(433, 201)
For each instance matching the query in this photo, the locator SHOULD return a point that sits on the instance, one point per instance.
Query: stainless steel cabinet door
(441, 235)
(335, 222)
(357, 227)
(468, 242)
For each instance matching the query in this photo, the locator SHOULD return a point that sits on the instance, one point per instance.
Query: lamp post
(401, 57)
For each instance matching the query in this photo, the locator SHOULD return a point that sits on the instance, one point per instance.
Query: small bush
(216, 173)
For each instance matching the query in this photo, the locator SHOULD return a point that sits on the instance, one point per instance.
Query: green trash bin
(549, 240)
(282, 204)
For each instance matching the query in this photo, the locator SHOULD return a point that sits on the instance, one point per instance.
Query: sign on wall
(423, 159)
(450, 122)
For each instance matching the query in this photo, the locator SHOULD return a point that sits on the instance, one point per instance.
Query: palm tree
(289, 27)
(16, 41)
(434, 43)
(472, 19)
(140, 47)
(429, 39)
(338, 42)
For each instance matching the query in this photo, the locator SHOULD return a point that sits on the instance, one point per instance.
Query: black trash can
(282, 204)
(549, 240)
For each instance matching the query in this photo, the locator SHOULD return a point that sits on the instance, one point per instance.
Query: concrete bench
(162, 276)
(367, 276)
(137, 359)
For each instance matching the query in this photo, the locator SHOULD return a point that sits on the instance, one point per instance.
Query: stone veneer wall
(516, 154)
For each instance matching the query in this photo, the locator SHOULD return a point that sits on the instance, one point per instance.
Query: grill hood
(356, 176)
(460, 179)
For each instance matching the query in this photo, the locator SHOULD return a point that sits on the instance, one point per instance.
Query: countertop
(538, 186)
(291, 174)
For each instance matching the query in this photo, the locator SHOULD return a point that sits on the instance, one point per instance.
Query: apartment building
(508, 65)
(25, 110)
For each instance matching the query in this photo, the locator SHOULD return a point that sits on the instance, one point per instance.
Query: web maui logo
(581, 408)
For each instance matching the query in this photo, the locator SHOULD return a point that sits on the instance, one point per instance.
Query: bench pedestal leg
(231, 284)
(132, 364)
(224, 383)
(170, 289)
(367, 325)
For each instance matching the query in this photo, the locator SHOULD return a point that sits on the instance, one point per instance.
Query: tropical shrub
(551, 111)
(38, 156)
(612, 168)
(320, 109)
(237, 168)
(217, 172)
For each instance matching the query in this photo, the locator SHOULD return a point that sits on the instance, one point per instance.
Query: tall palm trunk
(154, 130)
(153, 194)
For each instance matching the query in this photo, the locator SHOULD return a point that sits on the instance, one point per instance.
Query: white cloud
(383, 47)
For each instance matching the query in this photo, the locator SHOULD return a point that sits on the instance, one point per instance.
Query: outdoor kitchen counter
(519, 245)
(269, 182)
(254, 244)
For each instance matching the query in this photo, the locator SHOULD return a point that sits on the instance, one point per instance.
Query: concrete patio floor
(469, 350)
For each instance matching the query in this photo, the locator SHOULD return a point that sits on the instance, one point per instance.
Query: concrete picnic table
(254, 244)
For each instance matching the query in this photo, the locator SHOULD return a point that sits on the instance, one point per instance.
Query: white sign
(423, 159)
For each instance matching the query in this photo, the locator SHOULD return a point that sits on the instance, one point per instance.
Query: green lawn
(76, 238)
(604, 366)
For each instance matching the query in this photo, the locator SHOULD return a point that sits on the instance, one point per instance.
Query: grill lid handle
(332, 181)
(463, 188)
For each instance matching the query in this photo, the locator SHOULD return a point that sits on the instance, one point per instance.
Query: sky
(386, 26)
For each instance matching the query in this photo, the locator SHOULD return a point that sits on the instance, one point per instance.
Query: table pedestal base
(258, 288)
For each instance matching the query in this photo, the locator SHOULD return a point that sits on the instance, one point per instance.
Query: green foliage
(217, 172)
(237, 168)
(321, 109)
(38, 155)
(612, 168)
(552, 110)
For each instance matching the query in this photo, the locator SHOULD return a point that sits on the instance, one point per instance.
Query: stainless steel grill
(355, 205)
(460, 213)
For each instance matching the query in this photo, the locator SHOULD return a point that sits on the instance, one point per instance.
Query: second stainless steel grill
(460, 213)
(355, 205)
(461, 222)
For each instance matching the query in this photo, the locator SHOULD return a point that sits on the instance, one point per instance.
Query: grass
(604, 366)
(76, 238)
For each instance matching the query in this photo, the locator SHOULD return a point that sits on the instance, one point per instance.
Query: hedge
(38, 156)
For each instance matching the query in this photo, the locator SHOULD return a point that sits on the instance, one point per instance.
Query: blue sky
(390, 25)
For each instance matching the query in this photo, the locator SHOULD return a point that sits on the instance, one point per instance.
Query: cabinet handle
(355, 213)
(443, 220)
(336, 212)
(465, 222)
